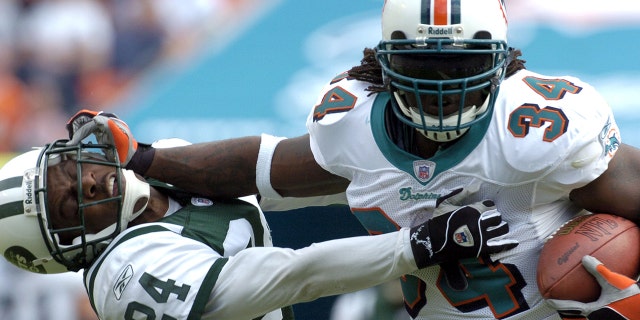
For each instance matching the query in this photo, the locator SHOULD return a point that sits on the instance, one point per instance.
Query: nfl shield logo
(460, 237)
(423, 169)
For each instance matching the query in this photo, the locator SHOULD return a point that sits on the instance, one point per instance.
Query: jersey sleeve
(593, 136)
(556, 130)
(152, 272)
(338, 125)
(267, 278)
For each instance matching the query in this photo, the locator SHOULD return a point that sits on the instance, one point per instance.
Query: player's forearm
(227, 168)
(223, 168)
(295, 172)
(616, 190)
(258, 280)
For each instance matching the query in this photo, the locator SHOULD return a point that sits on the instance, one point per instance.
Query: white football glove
(109, 129)
(619, 299)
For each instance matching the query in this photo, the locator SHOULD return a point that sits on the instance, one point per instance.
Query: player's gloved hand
(109, 129)
(619, 299)
(459, 232)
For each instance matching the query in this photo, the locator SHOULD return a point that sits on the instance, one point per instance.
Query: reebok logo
(122, 281)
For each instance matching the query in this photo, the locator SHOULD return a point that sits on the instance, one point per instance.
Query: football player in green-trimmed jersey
(149, 250)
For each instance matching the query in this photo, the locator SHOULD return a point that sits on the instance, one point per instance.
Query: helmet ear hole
(482, 35)
(398, 35)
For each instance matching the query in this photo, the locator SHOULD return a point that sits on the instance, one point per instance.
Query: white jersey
(214, 260)
(546, 136)
(168, 269)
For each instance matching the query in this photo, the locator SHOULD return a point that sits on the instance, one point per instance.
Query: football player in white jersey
(441, 103)
(152, 251)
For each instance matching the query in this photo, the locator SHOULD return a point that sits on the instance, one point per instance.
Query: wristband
(268, 145)
(141, 159)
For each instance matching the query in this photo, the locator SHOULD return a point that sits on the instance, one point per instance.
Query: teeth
(110, 185)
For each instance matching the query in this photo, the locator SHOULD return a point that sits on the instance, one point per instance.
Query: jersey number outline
(492, 284)
(531, 115)
(334, 101)
(160, 292)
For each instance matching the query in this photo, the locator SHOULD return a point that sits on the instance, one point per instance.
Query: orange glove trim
(617, 280)
(120, 138)
(82, 113)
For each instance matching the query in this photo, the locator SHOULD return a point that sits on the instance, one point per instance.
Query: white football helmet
(440, 49)
(28, 240)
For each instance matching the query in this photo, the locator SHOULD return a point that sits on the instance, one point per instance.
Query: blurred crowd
(59, 56)
(28, 296)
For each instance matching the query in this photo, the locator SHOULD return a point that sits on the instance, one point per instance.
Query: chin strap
(468, 114)
(135, 191)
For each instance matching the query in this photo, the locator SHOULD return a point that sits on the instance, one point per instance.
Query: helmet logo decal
(23, 259)
(440, 12)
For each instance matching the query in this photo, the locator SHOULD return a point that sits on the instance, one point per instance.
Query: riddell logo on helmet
(440, 31)
(28, 191)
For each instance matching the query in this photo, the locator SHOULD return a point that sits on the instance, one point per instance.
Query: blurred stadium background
(213, 69)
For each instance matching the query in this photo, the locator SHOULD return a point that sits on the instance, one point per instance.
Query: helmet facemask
(71, 242)
(441, 87)
(443, 62)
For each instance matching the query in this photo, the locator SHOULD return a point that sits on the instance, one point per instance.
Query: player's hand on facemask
(109, 129)
(458, 232)
(619, 299)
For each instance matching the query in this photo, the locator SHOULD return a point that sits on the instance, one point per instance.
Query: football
(613, 240)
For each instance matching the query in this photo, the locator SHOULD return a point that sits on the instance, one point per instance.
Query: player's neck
(424, 147)
(410, 139)
(156, 208)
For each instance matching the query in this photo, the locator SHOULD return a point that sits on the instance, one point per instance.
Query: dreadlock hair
(370, 70)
